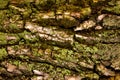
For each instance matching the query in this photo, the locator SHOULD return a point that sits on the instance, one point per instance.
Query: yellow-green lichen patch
(3, 53)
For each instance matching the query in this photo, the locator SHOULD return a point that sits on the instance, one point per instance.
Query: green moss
(13, 10)
(3, 3)
(3, 38)
(68, 22)
(27, 9)
(10, 22)
(23, 57)
(65, 55)
(28, 1)
(107, 36)
(16, 47)
(55, 48)
(3, 53)
(30, 67)
(92, 76)
(16, 62)
(36, 53)
(46, 22)
(71, 8)
(35, 45)
(85, 12)
(66, 72)
(26, 14)
(54, 72)
(115, 8)
(14, 40)
(2, 16)
(13, 26)
(45, 4)
(28, 37)
(61, 54)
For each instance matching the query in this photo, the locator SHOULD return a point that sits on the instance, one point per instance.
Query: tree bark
(59, 40)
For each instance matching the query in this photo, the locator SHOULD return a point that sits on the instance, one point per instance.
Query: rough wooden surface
(59, 39)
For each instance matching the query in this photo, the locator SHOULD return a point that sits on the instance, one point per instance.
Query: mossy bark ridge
(59, 39)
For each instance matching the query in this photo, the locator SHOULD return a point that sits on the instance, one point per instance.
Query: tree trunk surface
(59, 40)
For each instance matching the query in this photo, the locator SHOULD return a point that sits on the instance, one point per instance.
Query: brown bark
(59, 40)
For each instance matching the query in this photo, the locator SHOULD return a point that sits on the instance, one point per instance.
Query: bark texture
(59, 39)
